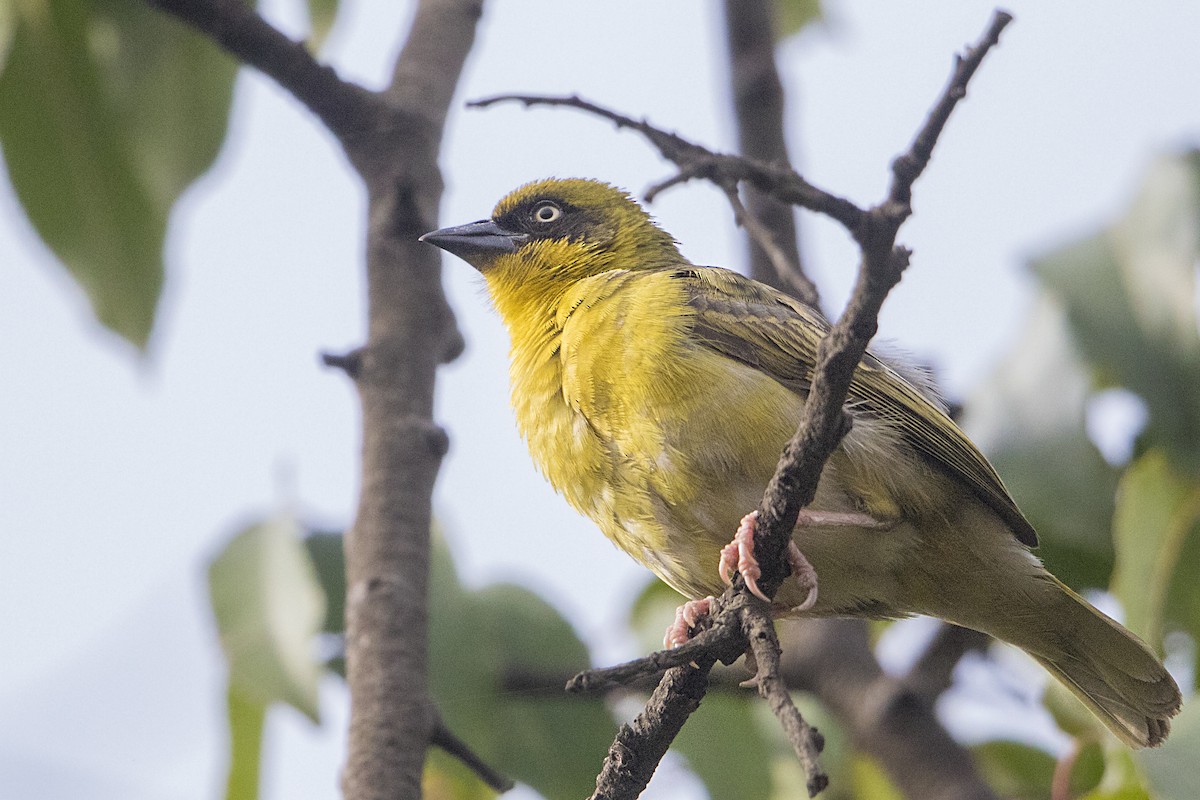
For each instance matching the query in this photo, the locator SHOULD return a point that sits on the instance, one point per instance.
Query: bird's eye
(546, 213)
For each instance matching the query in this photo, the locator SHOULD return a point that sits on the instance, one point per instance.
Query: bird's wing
(777, 335)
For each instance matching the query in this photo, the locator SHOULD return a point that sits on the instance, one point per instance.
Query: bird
(656, 396)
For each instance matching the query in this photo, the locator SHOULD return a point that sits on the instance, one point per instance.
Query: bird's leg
(685, 619)
(740, 553)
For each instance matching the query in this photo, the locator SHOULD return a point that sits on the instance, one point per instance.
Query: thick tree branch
(758, 106)
(392, 139)
(233, 24)
(824, 421)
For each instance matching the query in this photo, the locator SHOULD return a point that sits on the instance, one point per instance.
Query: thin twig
(601, 680)
(446, 739)
(695, 161)
(786, 270)
(806, 740)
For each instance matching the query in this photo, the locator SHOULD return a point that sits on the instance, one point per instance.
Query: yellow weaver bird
(657, 395)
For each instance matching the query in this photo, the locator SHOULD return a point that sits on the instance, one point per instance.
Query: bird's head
(549, 234)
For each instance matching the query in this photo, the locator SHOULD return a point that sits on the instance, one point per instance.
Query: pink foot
(685, 619)
(740, 553)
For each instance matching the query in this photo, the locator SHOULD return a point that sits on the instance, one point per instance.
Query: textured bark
(411, 330)
(392, 139)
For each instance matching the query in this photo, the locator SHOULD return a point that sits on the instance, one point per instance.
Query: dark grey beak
(477, 243)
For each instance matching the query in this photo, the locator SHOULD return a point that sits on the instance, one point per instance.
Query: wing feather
(777, 335)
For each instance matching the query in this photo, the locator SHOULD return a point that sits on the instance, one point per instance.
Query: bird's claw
(739, 554)
(686, 617)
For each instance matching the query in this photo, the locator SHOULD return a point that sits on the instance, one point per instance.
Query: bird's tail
(1108, 668)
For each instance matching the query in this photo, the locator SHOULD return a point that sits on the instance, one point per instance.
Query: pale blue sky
(120, 477)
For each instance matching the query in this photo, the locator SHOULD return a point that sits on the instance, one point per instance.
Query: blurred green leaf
(1171, 770)
(329, 560)
(1183, 600)
(447, 778)
(871, 781)
(108, 110)
(792, 16)
(1015, 770)
(652, 611)
(246, 719)
(1129, 291)
(321, 16)
(1157, 510)
(1122, 779)
(722, 732)
(480, 643)
(8, 23)
(1029, 418)
(269, 607)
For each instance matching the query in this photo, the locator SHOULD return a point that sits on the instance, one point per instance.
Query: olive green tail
(1109, 669)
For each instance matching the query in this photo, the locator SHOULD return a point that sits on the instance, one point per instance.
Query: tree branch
(823, 424)
(344, 107)
(758, 106)
(695, 161)
(392, 139)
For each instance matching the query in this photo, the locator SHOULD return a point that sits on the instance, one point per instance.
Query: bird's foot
(685, 619)
(740, 554)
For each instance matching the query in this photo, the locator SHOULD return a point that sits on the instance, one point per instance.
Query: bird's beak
(477, 243)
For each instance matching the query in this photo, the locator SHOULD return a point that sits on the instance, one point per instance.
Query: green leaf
(480, 643)
(871, 781)
(1156, 512)
(1122, 779)
(447, 778)
(329, 558)
(652, 611)
(321, 16)
(8, 23)
(1129, 292)
(1029, 418)
(246, 720)
(1015, 770)
(108, 110)
(792, 16)
(1171, 769)
(726, 748)
(269, 607)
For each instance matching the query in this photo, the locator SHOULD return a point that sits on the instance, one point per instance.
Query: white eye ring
(546, 213)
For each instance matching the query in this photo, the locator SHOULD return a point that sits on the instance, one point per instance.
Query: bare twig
(350, 362)
(640, 745)
(806, 740)
(787, 272)
(446, 739)
(694, 161)
(824, 422)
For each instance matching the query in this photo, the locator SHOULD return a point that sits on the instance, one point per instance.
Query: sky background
(120, 475)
